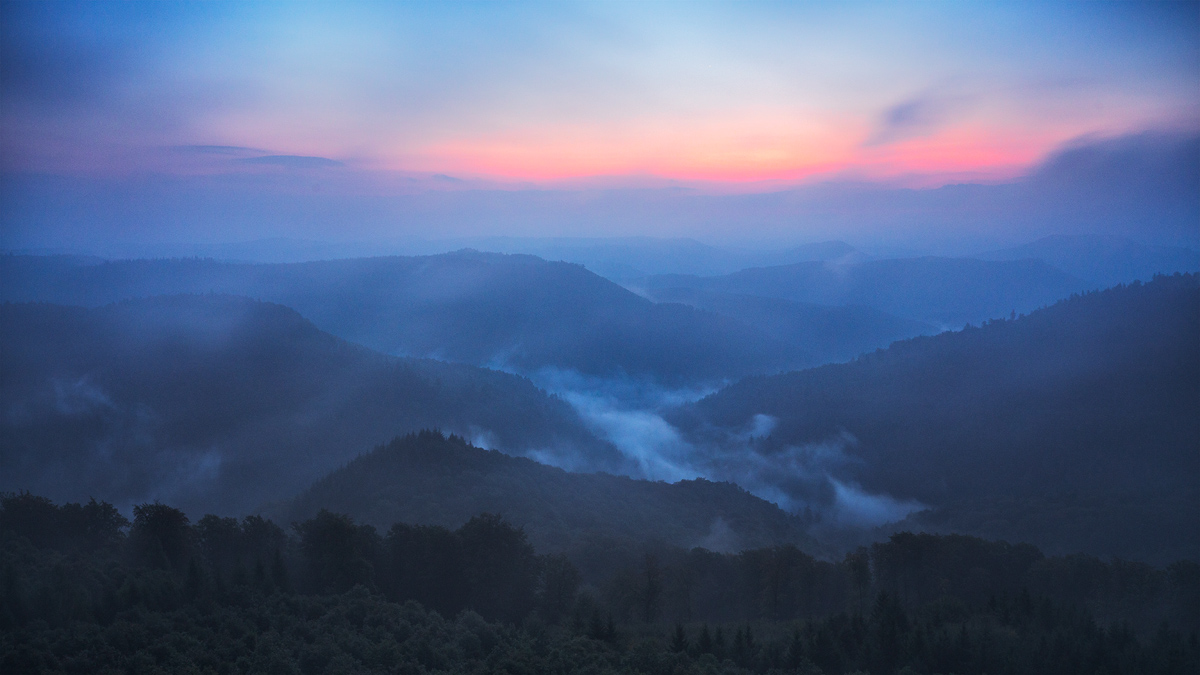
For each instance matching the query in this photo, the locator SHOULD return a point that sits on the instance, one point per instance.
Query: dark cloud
(294, 161)
(1145, 186)
(1162, 162)
(918, 116)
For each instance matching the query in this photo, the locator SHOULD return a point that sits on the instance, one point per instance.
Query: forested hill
(515, 311)
(429, 479)
(220, 403)
(942, 291)
(1076, 427)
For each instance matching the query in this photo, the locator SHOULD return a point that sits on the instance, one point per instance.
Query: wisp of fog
(627, 412)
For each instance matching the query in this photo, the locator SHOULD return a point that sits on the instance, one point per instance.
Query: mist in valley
(623, 380)
(820, 338)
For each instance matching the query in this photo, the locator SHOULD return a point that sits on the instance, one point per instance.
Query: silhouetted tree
(425, 563)
(679, 641)
(501, 568)
(891, 628)
(651, 591)
(559, 584)
(340, 554)
(161, 536)
(704, 643)
(71, 527)
(220, 540)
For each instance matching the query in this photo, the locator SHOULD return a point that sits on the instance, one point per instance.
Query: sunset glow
(723, 92)
(361, 120)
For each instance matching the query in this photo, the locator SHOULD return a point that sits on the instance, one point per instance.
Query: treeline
(916, 571)
(84, 589)
(486, 565)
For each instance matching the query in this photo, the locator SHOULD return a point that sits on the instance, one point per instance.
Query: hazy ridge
(947, 292)
(222, 403)
(514, 311)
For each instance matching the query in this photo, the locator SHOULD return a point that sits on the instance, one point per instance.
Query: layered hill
(513, 311)
(946, 292)
(220, 403)
(1104, 260)
(1076, 427)
(429, 479)
(829, 333)
(622, 258)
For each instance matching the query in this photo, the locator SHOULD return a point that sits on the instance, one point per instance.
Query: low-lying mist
(814, 479)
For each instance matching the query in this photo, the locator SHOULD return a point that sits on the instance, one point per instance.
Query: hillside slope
(511, 311)
(220, 403)
(429, 479)
(1076, 427)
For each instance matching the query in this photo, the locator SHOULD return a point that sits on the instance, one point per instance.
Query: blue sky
(404, 98)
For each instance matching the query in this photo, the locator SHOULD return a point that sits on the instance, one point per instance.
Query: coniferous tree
(679, 641)
(704, 644)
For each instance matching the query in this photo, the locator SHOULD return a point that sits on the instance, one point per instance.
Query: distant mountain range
(947, 292)
(220, 403)
(1074, 427)
(1104, 261)
(525, 314)
(511, 311)
(623, 258)
(829, 333)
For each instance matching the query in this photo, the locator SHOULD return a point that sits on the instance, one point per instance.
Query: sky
(224, 110)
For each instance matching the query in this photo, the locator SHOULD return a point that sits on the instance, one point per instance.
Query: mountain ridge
(948, 292)
(1103, 260)
(514, 311)
(1096, 396)
(221, 402)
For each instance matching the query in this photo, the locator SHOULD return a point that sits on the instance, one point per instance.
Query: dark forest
(86, 590)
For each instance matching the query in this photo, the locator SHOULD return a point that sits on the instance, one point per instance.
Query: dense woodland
(1073, 427)
(85, 590)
